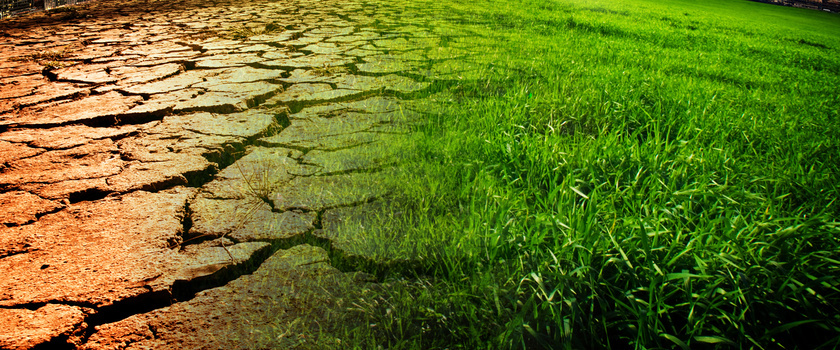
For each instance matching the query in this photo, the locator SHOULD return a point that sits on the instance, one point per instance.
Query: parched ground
(167, 167)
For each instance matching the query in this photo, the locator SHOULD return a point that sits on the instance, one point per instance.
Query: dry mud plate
(170, 171)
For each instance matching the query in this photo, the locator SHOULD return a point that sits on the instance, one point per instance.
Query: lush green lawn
(630, 173)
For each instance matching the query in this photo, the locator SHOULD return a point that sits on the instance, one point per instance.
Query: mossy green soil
(619, 174)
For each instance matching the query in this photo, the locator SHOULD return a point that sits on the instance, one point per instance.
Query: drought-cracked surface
(170, 172)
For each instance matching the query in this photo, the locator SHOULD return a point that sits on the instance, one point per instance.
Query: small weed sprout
(51, 59)
(245, 31)
(67, 13)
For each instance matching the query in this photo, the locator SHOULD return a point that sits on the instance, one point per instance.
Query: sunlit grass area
(619, 174)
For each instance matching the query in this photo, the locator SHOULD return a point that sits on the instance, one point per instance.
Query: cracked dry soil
(168, 169)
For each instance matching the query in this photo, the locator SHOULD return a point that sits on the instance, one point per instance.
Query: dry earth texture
(171, 171)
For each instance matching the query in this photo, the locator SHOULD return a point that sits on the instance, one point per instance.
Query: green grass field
(621, 174)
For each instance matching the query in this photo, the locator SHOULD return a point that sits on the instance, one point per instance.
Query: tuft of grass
(66, 13)
(245, 31)
(52, 59)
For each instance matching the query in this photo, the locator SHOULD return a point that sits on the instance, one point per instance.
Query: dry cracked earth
(171, 171)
